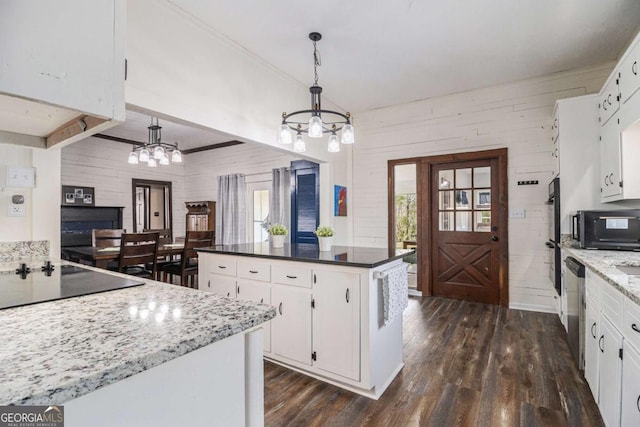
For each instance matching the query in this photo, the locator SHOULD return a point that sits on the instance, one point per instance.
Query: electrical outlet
(517, 213)
(17, 206)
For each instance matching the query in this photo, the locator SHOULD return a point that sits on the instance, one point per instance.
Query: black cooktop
(66, 281)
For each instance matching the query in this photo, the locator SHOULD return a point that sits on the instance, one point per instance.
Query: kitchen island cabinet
(155, 354)
(329, 320)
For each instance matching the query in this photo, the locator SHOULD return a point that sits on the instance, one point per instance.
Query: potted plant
(325, 237)
(277, 233)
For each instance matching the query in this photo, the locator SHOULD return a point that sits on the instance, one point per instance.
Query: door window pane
(462, 199)
(406, 207)
(445, 179)
(463, 221)
(483, 221)
(463, 178)
(446, 200)
(446, 221)
(482, 177)
(482, 199)
(260, 213)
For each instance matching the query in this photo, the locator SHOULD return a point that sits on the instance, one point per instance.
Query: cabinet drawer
(631, 323)
(592, 285)
(291, 274)
(254, 270)
(611, 303)
(220, 264)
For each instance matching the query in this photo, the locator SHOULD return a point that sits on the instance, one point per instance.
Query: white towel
(395, 292)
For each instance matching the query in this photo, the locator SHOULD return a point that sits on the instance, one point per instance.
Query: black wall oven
(553, 242)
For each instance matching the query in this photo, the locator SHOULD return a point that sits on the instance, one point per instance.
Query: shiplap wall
(203, 168)
(103, 165)
(517, 116)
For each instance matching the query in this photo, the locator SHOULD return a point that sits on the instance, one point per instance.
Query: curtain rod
(259, 173)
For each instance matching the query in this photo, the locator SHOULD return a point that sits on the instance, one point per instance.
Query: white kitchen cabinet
(257, 292)
(63, 68)
(609, 99)
(610, 375)
(291, 328)
(336, 322)
(630, 414)
(555, 150)
(220, 285)
(610, 161)
(629, 73)
(591, 350)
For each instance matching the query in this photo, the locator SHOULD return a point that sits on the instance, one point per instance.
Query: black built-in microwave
(614, 230)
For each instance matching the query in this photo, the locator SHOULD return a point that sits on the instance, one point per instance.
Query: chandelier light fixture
(155, 151)
(320, 121)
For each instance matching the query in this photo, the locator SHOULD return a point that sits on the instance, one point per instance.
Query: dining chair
(187, 267)
(104, 238)
(137, 250)
(164, 239)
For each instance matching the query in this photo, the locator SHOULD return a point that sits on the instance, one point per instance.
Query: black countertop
(339, 255)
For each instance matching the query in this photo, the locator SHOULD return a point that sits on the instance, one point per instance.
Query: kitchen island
(155, 354)
(333, 322)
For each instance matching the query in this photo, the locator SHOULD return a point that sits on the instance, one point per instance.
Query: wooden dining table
(100, 257)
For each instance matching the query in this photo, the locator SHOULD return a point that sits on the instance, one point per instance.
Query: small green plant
(324, 231)
(278, 230)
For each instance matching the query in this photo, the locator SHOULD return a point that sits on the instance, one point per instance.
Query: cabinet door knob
(634, 68)
(229, 293)
(238, 289)
(635, 328)
(280, 309)
(593, 334)
(253, 272)
(209, 284)
(261, 300)
(638, 403)
(222, 266)
(606, 180)
(601, 344)
(292, 277)
(346, 296)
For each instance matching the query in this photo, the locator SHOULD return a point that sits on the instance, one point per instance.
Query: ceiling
(379, 53)
(187, 136)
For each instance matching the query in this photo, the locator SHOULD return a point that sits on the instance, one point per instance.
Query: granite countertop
(603, 264)
(306, 252)
(56, 351)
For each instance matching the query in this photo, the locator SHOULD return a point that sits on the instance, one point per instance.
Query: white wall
(103, 165)
(517, 116)
(42, 221)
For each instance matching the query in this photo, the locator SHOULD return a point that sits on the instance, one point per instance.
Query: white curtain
(231, 215)
(280, 197)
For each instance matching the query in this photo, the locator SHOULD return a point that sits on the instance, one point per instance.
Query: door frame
(425, 239)
(168, 202)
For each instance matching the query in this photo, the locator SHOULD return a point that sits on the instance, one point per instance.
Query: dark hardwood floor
(466, 364)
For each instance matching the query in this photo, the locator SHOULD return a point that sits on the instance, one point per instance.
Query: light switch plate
(517, 213)
(21, 177)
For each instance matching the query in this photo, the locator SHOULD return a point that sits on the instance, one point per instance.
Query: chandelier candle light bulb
(332, 122)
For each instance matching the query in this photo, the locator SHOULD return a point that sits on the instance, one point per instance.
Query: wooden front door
(467, 226)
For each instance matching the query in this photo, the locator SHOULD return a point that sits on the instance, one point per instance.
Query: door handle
(549, 245)
(601, 344)
(494, 238)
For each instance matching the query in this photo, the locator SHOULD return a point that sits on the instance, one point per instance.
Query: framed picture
(340, 199)
(75, 195)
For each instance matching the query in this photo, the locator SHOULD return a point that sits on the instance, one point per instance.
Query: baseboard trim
(533, 307)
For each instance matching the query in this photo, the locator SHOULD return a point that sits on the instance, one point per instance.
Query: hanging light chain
(316, 62)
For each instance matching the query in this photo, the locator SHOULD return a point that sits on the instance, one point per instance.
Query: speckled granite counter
(56, 351)
(603, 264)
(305, 252)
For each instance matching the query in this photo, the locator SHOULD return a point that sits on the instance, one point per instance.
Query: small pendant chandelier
(155, 151)
(332, 122)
